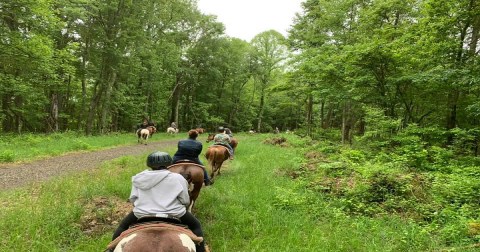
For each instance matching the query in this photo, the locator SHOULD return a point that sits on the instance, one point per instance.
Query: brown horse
(216, 155)
(156, 237)
(233, 141)
(144, 134)
(194, 174)
(200, 130)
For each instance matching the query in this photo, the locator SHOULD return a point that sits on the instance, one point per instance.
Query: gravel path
(18, 175)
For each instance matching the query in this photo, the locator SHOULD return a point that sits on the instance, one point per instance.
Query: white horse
(144, 134)
(172, 130)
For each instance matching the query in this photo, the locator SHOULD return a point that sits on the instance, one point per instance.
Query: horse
(144, 134)
(233, 141)
(172, 130)
(216, 155)
(200, 130)
(156, 236)
(194, 174)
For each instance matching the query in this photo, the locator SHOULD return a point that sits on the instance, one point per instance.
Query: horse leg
(212, 170)
(219, 166)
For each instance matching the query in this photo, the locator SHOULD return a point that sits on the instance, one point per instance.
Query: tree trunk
(175, 101)
(452, 113)
(104, 127)
(322, 114)
(309, 115)
(53, 122)
(94, 103)
(260, 111)
(346, 123)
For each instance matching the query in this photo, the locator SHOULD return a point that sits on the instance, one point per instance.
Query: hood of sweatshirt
(148, 179)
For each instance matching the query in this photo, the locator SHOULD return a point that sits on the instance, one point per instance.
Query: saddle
(155, 226)
(226, 148)
(183, 161)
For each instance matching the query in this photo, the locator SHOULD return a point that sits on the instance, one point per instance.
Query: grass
(28, 147)
(253, 206)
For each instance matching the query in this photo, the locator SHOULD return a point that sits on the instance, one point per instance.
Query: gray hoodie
(159, 193)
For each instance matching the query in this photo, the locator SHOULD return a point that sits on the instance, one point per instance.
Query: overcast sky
(246, 18)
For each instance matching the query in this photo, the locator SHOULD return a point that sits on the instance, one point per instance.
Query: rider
(221, 138)
(190, 149)
(159, 194)
(228, 131)
(174, 125)
(144, 124)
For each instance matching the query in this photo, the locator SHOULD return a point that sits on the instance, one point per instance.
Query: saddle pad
(155, 226)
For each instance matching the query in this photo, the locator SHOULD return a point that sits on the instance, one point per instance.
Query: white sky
(246, 18)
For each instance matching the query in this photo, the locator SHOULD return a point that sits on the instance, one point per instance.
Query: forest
(383, 98)
(358, 66)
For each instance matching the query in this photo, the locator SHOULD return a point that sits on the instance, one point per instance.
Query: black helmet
(158, 159)
(221, 129)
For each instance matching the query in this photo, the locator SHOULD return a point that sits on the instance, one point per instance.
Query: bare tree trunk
(54, 113)
(106, 102)
(94, 103)
(176, 101)
(346, 123)
(7, 121)
(18, 116)
(309, 115)
(260, 111)
(452, 102)
(322, 114)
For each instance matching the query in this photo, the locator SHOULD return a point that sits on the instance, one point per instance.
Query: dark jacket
(144, 126)
(188, 149)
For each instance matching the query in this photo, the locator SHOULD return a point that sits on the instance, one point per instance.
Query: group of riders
(161, 195)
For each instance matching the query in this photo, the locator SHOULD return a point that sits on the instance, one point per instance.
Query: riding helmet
(158, 159)
(221, 129)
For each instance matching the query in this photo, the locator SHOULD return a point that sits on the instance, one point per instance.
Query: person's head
(159, 160)
(193, 134)
(221, 129)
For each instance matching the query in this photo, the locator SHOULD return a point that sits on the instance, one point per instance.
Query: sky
(246, 18)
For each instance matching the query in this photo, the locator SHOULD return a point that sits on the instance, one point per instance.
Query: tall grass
(253, 206)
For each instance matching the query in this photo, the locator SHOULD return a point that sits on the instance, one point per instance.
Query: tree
(269, 55)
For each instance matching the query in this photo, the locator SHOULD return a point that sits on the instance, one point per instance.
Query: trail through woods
(18, 175)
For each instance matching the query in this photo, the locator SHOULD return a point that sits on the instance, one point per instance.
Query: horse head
(152, 129)
(234, 143)
(210, 137)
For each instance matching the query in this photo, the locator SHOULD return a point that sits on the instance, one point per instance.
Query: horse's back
(217, 153)
(156, 241)
(187, 168)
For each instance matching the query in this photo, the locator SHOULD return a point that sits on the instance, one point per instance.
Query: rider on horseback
(190, 149)
(160, 195)
(228, 131)
(221, 138)
(146, 123)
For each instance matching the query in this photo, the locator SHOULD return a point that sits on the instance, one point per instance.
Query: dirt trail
(18, 175)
